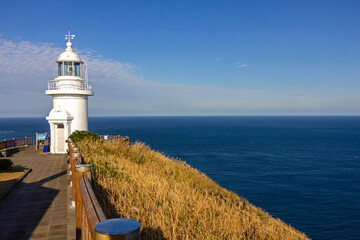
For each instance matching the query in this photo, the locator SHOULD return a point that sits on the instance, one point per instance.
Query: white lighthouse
(69, 91)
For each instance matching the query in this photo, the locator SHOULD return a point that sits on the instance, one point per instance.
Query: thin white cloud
(26, 67)
(239, 65)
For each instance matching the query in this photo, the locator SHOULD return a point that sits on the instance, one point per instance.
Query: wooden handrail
(114, 138)
(2, 145)
(87, 207)
(100, 216)
(19, 142)
(91, 211)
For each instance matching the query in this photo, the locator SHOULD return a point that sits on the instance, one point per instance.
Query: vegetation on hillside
(171, 199)
(5, 164)
(80, 135)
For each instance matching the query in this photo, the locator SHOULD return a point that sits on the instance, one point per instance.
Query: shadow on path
(31, 206)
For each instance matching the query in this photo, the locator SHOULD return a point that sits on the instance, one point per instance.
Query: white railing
(52, 85)
(86, 86)
(55, 85)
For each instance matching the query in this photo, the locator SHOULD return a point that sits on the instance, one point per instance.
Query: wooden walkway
(38, 207)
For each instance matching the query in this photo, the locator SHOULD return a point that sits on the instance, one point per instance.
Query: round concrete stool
(117, 229)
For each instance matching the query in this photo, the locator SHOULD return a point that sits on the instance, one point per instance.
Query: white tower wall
(77, 106)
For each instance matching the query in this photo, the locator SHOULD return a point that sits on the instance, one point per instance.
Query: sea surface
(303, 170)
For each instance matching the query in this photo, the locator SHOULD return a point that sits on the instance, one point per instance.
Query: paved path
(37, 207)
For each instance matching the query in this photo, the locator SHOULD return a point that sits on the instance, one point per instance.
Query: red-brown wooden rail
(19, 142)
(87, 207)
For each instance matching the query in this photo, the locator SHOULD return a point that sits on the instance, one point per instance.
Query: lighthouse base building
(69, 91)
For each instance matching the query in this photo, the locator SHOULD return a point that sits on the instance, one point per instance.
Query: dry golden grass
(171, 199)
(10, 176)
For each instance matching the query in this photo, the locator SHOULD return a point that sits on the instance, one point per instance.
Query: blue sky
(187, 57)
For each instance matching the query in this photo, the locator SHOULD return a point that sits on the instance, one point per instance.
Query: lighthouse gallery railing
(84, 86)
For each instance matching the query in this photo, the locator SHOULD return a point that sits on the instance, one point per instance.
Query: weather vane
(69, 36)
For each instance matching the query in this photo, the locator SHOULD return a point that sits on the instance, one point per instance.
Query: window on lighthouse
(68, 69)
(77, 69)
(60, 68)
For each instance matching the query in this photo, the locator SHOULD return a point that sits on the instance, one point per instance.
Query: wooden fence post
(81, 170)
(75, 156)
(85, 169)
(78, 205)
(75, 178)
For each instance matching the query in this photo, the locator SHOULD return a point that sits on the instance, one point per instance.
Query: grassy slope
(10, 176)
(171, 199)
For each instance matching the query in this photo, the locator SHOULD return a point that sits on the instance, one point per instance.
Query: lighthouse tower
(69, 91)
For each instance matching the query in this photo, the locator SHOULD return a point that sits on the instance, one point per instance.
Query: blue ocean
(303, 170)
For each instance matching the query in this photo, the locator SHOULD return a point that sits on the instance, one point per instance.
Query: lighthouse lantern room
(69, 91)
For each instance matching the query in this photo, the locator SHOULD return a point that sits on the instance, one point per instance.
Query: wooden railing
(87, 208)
(114, 137)
(19, 142)
(22, 142)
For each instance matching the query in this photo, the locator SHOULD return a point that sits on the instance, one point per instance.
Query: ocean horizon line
(262, 115)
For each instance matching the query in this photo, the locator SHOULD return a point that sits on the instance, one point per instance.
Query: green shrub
(80, 135)
(5, 164)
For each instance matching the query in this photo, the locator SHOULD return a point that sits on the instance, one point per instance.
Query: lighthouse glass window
(77, 69)
(60, 69)
(68, 69)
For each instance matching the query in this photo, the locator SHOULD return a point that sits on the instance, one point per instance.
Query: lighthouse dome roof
(69, 55)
